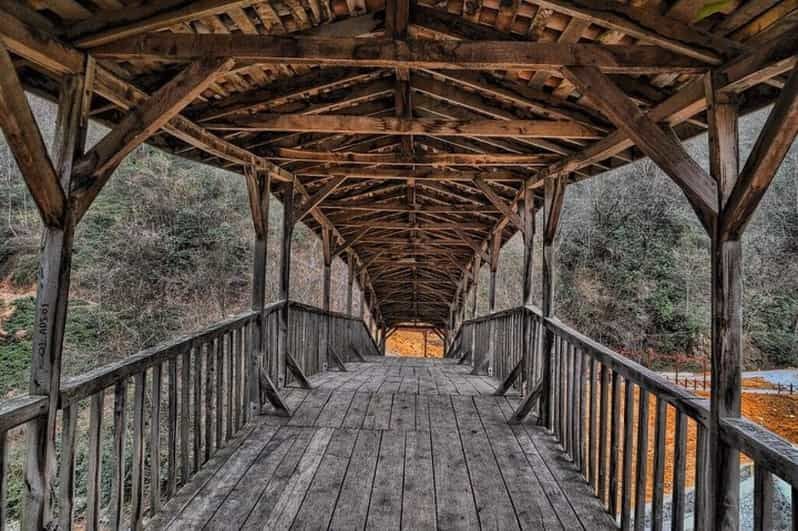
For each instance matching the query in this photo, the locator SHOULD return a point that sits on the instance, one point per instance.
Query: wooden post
(324, 333)
(528, 277)
(726, 256)
(361, 283)
(52, 296)
(350, 282)
(258, 186)
(285, 279)
(326, 240)
(475, 288)
(554, 193)
(529, 238)
(495, 248)
(425, 343)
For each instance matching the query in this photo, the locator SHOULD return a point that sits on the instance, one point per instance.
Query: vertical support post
(285, 279)
(361, 283)
(554, 193)
(324, 336)
(425, 343)
(724, 483)
(529, 238)
(350, 283)
(326, 241)
(495, 248)
(258, 187)
(52, 295)
(475, 288)
(528, 277)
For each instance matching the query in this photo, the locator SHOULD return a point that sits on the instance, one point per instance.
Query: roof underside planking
(414, 131)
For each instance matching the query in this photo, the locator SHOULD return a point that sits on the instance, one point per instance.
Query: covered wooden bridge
(414, 138)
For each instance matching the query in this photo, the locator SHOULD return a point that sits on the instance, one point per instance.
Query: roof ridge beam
(387, 53)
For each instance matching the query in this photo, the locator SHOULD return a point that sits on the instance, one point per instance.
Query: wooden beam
(408, 174)
(499, 203)
(663, 148)
(419, 159)
(649, 26)
(47, 52)
(107, 27)
(402, 207)
(367, 125)
(350, 241)
(25, 141)
(280, 93)
(723, 485)
(52, 294)
(772, 145)
(285, 279)
(739, 74)
(384, 53)
(95, 168)
(316, 199)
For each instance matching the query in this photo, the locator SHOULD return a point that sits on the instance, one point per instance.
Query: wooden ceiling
(413, 129)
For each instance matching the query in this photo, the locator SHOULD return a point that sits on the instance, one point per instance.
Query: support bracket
(527, 403)
(337, 360)
(510, 380)
(296, 371)
(273, 395)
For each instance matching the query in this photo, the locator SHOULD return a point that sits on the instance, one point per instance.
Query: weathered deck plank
(392, 444)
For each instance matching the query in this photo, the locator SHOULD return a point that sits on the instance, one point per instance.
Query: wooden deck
(393, 443)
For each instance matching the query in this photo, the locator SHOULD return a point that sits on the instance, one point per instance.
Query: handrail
(21, 409)
(320, 311)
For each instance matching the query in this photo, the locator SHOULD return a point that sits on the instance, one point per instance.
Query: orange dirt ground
(778, 413)
(411, 344)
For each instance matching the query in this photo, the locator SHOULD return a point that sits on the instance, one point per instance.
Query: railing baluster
(236, 367)
(249, 364)
(155, 441)
(615, 427)
(218, 346)
(679, 467)
(659, 465)
(763, 499)
(642, 459)
(95, 461)
(118, 463)
(700, 492)
(579, 438)
(185, 386)
(626, 486)
(208, 418)
(171, 476)
(228, 353)
(197, 410)
(137, 473)
(69, 419)
(603, 427)
(4, 480)
(592, 449)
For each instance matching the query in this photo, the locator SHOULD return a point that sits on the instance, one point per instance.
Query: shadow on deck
(393, 443)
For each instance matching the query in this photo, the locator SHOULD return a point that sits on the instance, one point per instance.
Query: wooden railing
(348, 336)
(496, 343)
(171, 431)
(628, 430)
(134, 431)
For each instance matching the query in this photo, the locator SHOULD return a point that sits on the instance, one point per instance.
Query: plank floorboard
(393, 443)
